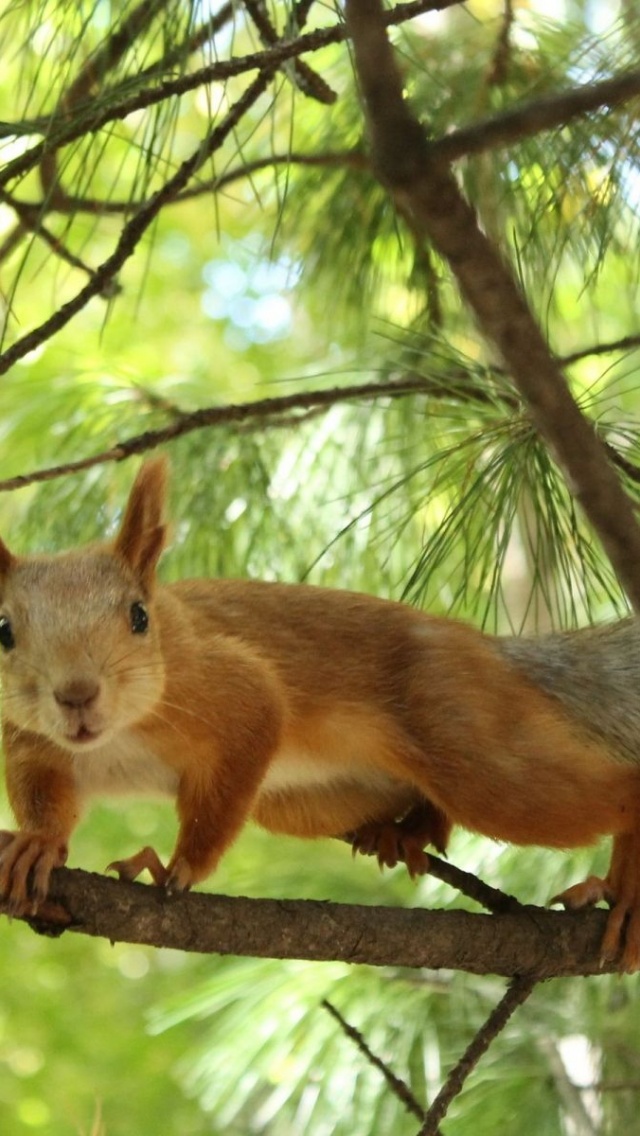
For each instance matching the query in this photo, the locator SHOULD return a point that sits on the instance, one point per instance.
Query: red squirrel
(316, 712)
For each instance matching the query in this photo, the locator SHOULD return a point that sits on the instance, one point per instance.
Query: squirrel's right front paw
(26, 862)
(177, 877)
(146, 859)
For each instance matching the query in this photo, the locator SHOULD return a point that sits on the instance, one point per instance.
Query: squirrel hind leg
(623, 883)
(404, 840)
(621, 890)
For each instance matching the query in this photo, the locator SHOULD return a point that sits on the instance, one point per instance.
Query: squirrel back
(594, 672)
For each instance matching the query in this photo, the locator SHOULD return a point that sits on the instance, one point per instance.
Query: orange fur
(317, 712)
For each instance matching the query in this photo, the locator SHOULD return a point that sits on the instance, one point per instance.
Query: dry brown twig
(291, 410)
(398, 1087)
(517, 992)
(308, 81)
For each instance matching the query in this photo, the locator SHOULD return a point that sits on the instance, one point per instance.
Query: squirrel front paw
(623, 924)
(592, 890)
(178, 876)
(27, 860)
(147, 858)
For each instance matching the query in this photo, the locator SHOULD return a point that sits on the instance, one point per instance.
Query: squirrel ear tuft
(7, 561)
(143, 531)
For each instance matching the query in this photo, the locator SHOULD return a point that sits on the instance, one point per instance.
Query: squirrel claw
(130, 868)
(591, 891)
(176, 878)
(26, 862)
(624, 910)
(391, 844)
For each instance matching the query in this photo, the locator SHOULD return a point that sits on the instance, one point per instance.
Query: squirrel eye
(7, 639)
(139, 619)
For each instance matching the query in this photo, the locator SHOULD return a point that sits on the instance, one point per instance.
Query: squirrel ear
(7, 561)
(143, 532)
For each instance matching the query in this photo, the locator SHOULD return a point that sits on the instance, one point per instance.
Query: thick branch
(533, 941)
(427, 194)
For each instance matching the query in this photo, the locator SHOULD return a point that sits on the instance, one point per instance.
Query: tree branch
(426, 193)
(534, 117)
(291, 410)
(135, 229)
(533, 941)
(260, 412)
(517, 992)
(399, 1088)
(31, 221)
(91, 116)
(305, 78)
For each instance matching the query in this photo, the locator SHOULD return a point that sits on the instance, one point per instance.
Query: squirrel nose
(77, 694)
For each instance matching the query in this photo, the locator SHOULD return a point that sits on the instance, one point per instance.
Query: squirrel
(314, 711)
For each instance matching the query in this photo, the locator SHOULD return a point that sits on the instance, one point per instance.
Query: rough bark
(532, 941)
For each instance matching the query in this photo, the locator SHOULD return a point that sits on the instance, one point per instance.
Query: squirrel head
(80, 654)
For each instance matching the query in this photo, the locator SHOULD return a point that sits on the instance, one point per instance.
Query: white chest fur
(291, 771)
(123, 765)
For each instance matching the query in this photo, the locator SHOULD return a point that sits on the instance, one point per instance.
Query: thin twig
(261, 411)
(398, 1087)
(31, 221)
(625, 343)
(500, 61)
(489, 897)
(517, 992)
(349, 159)
(306, 79)
(196, 40)
(629, 468)
(135, 229)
